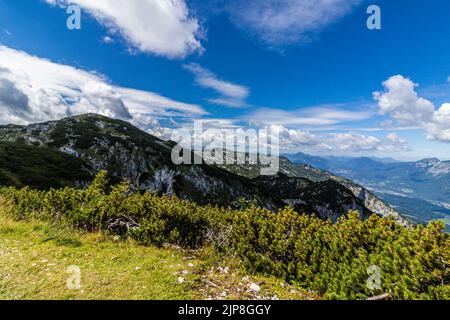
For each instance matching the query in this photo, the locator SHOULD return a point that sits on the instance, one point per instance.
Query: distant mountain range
(420, 190)
(69, 152)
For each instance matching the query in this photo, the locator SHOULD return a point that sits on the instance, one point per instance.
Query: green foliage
(38, 167)
(332, 259)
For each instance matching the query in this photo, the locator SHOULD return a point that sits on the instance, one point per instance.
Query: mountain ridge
(127, 152)
(290, 169)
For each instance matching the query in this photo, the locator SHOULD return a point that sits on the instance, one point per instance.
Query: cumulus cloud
(359, 143)
(284, 22)
(159, 27)
(231, 95)
(401, 102)
(290, 140)
(439, 128)
(356, 142)
(396, 143)
(34, 89)
(297, 139)
(405, 107)
(349, 143)
(215, 132)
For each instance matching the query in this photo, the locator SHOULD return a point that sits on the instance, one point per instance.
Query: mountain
(335, 162)
(79, 147)
(128, 153)
(420, 190)
(303, 158)
(328, 198)
(306, 171)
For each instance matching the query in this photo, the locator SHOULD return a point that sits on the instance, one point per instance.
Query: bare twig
(384, 296)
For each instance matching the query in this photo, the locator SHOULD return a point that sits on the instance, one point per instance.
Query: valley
(419, 190)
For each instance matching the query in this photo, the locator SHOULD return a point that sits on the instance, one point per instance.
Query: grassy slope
(34, 257)
(38, 167)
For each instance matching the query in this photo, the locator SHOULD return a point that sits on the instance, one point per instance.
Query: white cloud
(299, 137)
(160, 27)
(283, 22)
(232, 95)
(401, 102)
(294, 140)
(107, 39)
(403, 105)
(396, 143)
(228, 102)
(439, 128)
(312, 116)
(348, 143)
(146, 102)
(358, 143)
(34, 89)
(216, 130)
(290, 140)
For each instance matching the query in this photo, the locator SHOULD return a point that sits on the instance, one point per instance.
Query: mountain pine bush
(332, 259)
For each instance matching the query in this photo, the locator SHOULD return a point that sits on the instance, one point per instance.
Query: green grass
(35, 255)
(34, 258)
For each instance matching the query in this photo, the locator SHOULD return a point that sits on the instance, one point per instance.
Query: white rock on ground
(254, 287)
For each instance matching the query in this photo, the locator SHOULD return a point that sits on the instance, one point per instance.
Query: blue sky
(311, 71)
